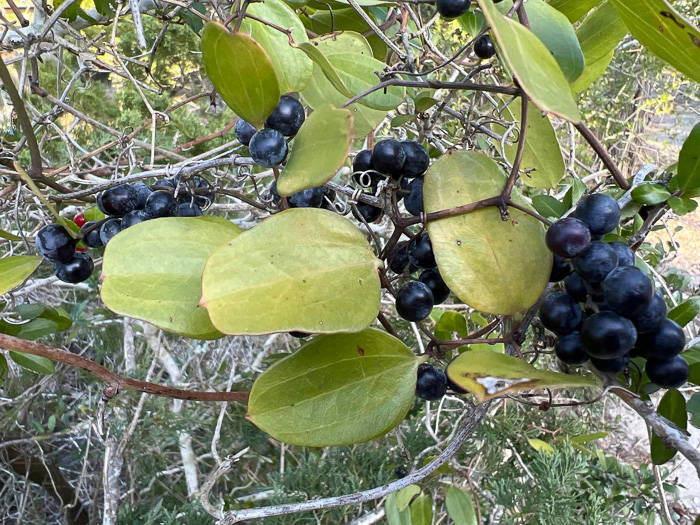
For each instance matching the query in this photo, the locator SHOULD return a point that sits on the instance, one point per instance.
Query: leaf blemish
(360, 350)
(672, 17)
(493, 385)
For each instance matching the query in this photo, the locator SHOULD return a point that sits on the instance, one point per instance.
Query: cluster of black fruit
(405, 162)
(268, 146)
(483, 47)
(622, 316)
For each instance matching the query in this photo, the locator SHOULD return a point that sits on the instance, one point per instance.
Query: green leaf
(591, 73)
(336, 390)
(460, 507)
(587, 438)
(323, 22)
(37, 328)
(94, 214)
(685, 312)
(650, 194)
(8, 236)
(241, 72)
(14, 270)
(694, 373)
(192, 20)
(449, 323)
(489, 374)
(556, 32)
(532, 64)
(472, 22)
(548, 206)
(542, 153)
(574, 9)
(682, 206)
(424, 102)
(153, 272)
(3, 368)
(292, 66)
(495, 266)
(664, 32)
(541, 446)
(325, 137)
(672, 407)
(358, 73)
(688, 176)
(693, 408)
(29, 311)
(422, 510)
(393, 515)
(303, 269)
(400, 120)
(406, 495)
(320, 60)
(35, 363)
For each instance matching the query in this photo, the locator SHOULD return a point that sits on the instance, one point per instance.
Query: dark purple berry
(367, 212)
(650, 319)
(109, 229)
(595, 262)
(625, 255)
(417, 159)
(160, 204)
(560, 269)
(433, 280)
(244, 131)
(76, 270)
(388, 157)
(287, 117)
(606, 335)
(611, 366)
(484, 48)
(452, 8)
(569, 349)
(414, 301)
(310, 198)
(189, 210)
(560, 313)
(414, 199)
(120, 200)
(664, 343)
(431, 384)
(568, 237)
(133, 217)
(671, 373)
(55, 243)
(628, 291)
(268, 148)
(91, 238)
(600, 212)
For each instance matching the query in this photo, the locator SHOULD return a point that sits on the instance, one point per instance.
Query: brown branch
(113, 380)
(600, 150)
(510, 184)
(200, 140)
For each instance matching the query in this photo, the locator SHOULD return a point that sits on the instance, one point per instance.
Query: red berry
(79, 220)
(80, 248)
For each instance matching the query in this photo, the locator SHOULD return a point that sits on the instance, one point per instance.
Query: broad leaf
(693, 409)
(688, 176)
(393, 515)
(9, 236)
(449, 324)
(574, 9)
(153, 272)
(241, 72)
(664, 32)
(14, 270)
(685, 312)
(358, 73)
(319, 150)
(495, 266)
(460, 507)
(489, 374)
(323, 22)
(422, 510)
(542, 154)
(292, 66)
(672, 407)
(532, 64)
(35, 363)
(336, 390)
(37, 328)
(303, 269)
(548, 206)
(650, 194)
(406, 495)
(541, 446)
(591, 73)
(682, 206)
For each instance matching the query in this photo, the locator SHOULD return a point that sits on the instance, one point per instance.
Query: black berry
(92, 238)
(595, 262)
(76, 270)
(431, 384)
(109, 229)
(268, 148)
(560, 313)
(671, 373)
(287, 117)
(570, 350)
(628, 291)
(568, 237)
(414, 301)
(606, 335)
(560, 269)
(142, 192)
(484, 48)
(664, 343)
(244, 131)
(398, 260)
(433, 280)
(576, 288)
(160, 204)
(414, 199)
(417, 159)
(420, 251)
(311, 198)
(55, 243)
(452, 8)
(120, 200)
(650, 319)
(189, 210)
(133, 217)
(611, 366)
(388, 157)
(368, 212)
(600, 212)
(625, 255)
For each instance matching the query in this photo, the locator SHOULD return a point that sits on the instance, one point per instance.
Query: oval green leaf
(682, 206)
(336, 390)
(35, 363)
(422, 510)
(574, 9)
(153, 272)
(672, 407)
(292, 66)
(532, 64)
(664, 32)
(358, 73)
(495, 266)
(688, 176)
(325, 137)
(305, 269)
(460, 507)
(241, 72)
(488, 374)
(14, 270)
(650, 194)
(686, 311)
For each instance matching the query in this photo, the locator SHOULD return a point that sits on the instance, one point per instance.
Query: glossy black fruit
(484, 48)
(650, 319)
(568, 237)
(400, 472)
(368, 212)
(311, 198)
(388, 157)
(576, 287)
(142, 192)
(299, 335)
(420, 251)
(362, 161)
(611, 366)
(133, 217)
(414, 301)
(671, 373)
(628, 291)
(55, 243)
(287, 117)
(560, 313)
(204, 195)
(600, 212)
(92, 238)
(560, 269)
(120, 200)
(398, 260)
(109, 229)
(417, 159)
(664, 343)
(431, 384)
(625, 255)
(606, 335)
(189, 210)
(76, 270)
(268, 148)
(414, 199)
(595, 262)
(452, 8)
(244, 131)
(433, 280)
(160, 204)
(570, 350)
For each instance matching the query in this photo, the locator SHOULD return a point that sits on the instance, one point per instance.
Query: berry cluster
(622, 315)
(268, 146)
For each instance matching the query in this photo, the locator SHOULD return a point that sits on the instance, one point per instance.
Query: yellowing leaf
(336, 390)
(14, 270)
(241, 72)
(488, 374)
(541, 446)
(318, 151)
(495, 266)
(304, 269)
